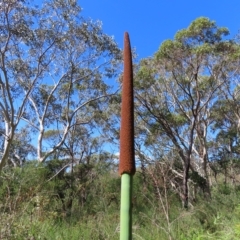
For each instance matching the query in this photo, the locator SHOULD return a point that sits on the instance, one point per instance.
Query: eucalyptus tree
(176, 90)
(226, 117)
(53, 65)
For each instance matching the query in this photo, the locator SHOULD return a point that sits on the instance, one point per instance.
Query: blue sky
(151, 22)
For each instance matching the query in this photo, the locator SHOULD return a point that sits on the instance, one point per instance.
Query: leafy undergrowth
(31, 207)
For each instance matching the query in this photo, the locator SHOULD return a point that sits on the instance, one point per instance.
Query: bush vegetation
(37, 203)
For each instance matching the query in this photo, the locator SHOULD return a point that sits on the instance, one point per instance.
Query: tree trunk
(207, 190)
(185, 183)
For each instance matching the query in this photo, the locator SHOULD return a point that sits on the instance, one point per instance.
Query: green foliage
(202, 37)
(31, 207)
(201, 30)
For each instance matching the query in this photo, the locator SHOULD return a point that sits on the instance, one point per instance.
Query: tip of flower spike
(127, 46)
(127, 156)
(126, 36)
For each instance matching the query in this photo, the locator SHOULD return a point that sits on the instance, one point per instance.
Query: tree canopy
(53, 68)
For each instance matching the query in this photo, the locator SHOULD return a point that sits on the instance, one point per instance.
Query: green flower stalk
(127, 166)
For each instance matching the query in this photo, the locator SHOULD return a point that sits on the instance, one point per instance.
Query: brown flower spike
(127, 156)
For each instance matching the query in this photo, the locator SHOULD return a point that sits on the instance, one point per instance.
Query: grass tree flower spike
(127, 166)
(127, 155)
